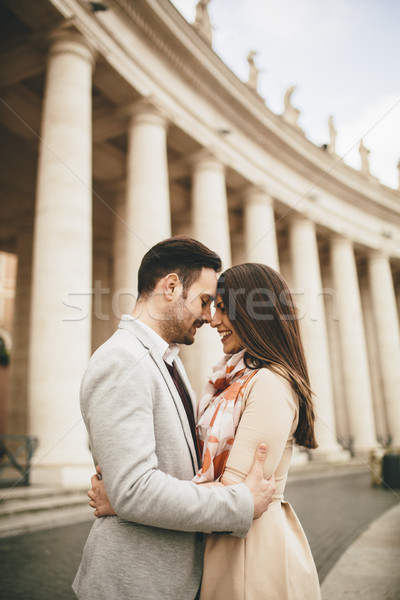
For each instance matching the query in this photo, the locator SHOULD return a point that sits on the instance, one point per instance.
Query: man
(136, 403)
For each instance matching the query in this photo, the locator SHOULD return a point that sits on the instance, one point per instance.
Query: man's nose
(206, 316)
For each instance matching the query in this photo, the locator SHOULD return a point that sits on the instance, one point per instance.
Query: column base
(330, 454)
(65, 476)
(364, 452)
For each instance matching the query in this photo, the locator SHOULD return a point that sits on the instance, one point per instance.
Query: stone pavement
(369, 568)
(334, 508)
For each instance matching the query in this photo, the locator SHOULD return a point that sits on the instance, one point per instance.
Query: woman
(259, 391)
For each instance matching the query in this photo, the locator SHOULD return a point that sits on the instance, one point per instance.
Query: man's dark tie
(187, 404)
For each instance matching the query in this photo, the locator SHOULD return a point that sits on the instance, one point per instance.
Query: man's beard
(178, 326)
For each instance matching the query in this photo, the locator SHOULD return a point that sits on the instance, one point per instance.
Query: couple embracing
(191, 497)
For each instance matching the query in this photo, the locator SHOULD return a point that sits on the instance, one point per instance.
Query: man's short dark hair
(179, 254)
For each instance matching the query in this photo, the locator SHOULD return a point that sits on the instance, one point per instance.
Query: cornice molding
(206, 73)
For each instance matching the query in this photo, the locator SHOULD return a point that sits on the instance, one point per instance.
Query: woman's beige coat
(274, 561)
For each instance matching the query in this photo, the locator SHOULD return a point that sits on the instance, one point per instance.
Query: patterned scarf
(219, 413)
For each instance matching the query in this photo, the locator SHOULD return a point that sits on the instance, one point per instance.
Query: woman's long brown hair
(261, 309)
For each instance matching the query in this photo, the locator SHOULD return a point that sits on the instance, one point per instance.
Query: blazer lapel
(147, 341)
(185, 379)
(179, 407)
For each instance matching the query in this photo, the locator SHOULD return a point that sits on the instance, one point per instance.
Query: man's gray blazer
(140, 436)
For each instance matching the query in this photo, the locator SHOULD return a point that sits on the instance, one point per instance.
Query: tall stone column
(146, 214)
(259, 229)
(308, 297)
(380, 418)
(209, 205)
(388, 337)
(210, 225)
(353, 346)
(335, 354)
(62, 267)
(18, 398)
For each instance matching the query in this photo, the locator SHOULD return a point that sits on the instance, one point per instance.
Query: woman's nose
(215, 321)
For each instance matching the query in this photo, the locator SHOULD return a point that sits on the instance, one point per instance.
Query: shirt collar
(168, 352)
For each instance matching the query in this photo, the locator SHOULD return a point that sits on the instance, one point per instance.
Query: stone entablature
(261, 147)
(186, 67)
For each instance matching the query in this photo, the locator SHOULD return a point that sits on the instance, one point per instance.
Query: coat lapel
(179, 407)
(148, 342)
(185, 379)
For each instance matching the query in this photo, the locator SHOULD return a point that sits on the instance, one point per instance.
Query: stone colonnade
(60, 316)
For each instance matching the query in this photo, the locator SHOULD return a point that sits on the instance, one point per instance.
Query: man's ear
(172, 285)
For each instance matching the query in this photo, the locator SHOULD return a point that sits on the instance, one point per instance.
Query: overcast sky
(343, 56)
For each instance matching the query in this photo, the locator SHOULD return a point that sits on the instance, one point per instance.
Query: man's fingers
(261, 452)
(94, 479)
(260, 456)
(99, 473)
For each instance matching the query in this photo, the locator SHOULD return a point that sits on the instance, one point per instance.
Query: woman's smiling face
(220, 321)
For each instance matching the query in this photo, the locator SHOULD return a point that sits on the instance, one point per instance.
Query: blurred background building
(121, 126)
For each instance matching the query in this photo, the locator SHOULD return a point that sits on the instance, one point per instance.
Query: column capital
(257, 194)
(206, 159)
(295, 217)
(377, 253)
(340, 238)
(67, 40)
(149, 110)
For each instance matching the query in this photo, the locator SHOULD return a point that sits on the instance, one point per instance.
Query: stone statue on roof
(202, 22)
(364, 153)
(253, 71)
(290, 113)
(332, 136)
(398, 168)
